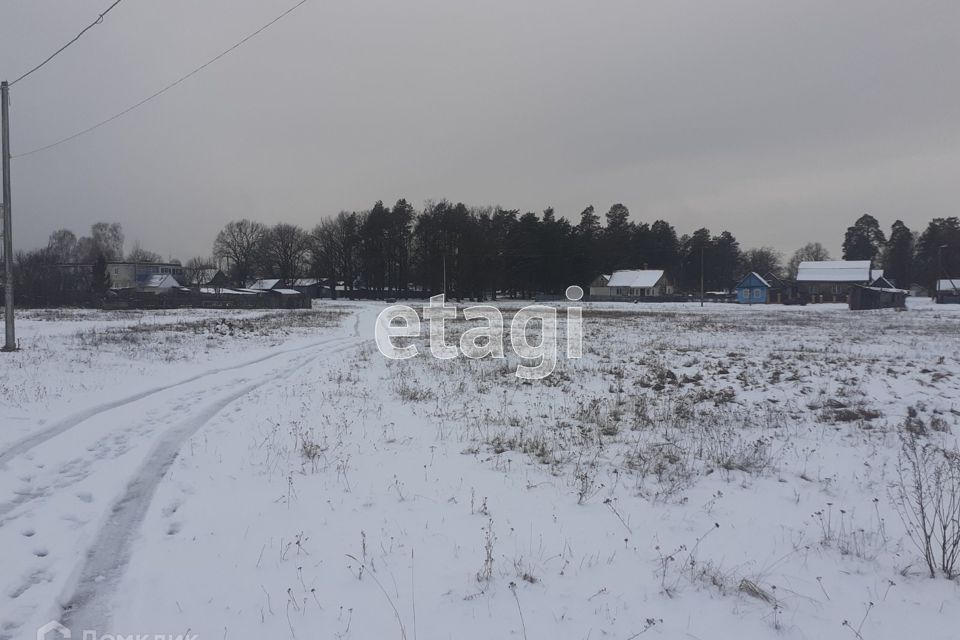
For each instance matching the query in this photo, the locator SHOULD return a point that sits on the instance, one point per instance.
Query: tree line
(477, 252)
(472, 252)
(483, 252)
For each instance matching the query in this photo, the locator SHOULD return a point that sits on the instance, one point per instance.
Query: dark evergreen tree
(695, 249)
(616, 249)
(664, 249)
(898, 255)
(864, 240)
(100, 282)
(584, 248)
(938, 252)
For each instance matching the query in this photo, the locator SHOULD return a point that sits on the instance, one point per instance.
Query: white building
(632, 284)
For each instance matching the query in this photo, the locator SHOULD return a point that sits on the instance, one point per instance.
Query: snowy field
(724, 472)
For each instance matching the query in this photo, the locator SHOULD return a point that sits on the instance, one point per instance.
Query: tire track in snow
(72, 421)
(63, 480)
(105, 449)
(88, 606)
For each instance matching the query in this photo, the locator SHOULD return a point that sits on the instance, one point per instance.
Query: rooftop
(837, 271)
(638, 279)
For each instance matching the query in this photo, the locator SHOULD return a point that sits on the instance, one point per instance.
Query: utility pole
(701, 275)
(11, 338)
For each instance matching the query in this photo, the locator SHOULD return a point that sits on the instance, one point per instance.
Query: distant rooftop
(948, 284)
(265, 285)
(837, 271)
(638, 279)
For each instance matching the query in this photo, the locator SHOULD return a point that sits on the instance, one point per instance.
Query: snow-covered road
(73, 493)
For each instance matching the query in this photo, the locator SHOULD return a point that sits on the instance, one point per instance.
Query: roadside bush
(927, 497)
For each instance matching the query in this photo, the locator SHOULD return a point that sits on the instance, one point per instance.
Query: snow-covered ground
(700, 473)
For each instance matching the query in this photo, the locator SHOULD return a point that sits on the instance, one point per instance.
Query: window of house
(758, 293)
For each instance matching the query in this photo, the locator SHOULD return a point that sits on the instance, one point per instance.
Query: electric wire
(61, 49)
(167, 87)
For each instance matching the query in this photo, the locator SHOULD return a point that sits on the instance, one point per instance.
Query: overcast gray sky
(780, 121)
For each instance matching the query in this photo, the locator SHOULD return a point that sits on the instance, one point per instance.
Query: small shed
(289, 299)
(865, 298)
(948, 291)
(753, 289)
(309, 287)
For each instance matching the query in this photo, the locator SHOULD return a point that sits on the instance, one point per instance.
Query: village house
(632, 285)
(832, 280)
(753, 289)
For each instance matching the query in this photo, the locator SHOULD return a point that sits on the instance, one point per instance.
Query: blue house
(753, 289)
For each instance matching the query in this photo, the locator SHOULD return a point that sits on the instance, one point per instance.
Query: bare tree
(762, 261)
(105, 239)
(108, 240)
(62, 246)
(139, 254)
(197, 270)
(325, 253)
(238, 245)
(335, 250)
(284, 250)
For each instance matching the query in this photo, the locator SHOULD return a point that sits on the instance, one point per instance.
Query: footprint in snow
(41, 552)
(28, 533)
(171, 508)
(85, 496)
(174, 528)
(33, 579)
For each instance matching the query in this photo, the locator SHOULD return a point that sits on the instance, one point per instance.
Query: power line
(61, 49)
(166, 88)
